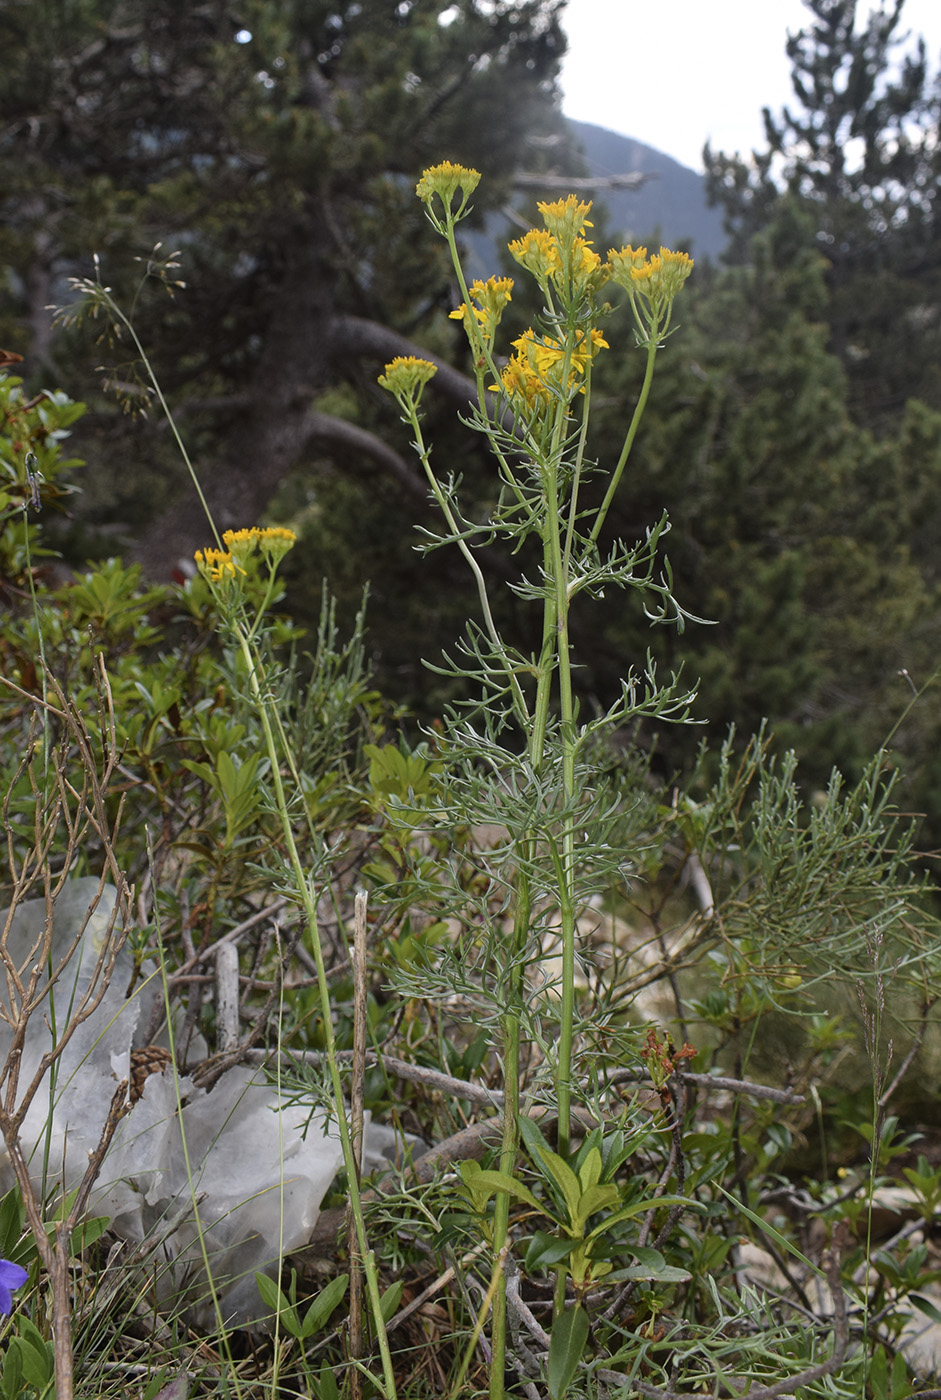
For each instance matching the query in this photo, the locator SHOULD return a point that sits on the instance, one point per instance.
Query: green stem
(308, 903)
(556, 634)
(572, 512)
(562, 662)
(519, 699)
(638, 414)
(509, 1149)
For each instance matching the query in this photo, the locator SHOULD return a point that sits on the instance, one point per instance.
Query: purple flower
(12, 1277)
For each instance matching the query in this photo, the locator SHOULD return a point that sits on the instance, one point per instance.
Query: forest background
(794, 432)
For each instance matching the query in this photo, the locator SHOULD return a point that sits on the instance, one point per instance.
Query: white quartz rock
(240, 1166)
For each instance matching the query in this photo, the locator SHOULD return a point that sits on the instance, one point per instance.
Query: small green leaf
(11, 1221)
(638, 1208)
(201, 770)
(565, 1179)
(900, 1386)
(879, 1375)
(569, 1335)
(774, 1234)
(666, 1273)
(11, 1373)
(389, 1302)
(589, 1172)
(34, 1339)
(484, 1183)
(272, 1295)
(88, 1231)
(546, 1250)
(926, 1306)
(327, 1388)
(38, 1369)
(594, 1199)
(323, 1305)
(644, 1254)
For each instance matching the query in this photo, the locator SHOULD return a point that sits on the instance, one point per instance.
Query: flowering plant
(523, 726)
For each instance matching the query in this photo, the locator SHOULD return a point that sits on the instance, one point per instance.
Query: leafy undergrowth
(759, 967)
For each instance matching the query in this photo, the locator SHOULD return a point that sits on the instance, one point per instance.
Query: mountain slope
(671, 208)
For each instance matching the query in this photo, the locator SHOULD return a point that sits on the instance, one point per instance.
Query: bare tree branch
(339, 432)
(355, 335)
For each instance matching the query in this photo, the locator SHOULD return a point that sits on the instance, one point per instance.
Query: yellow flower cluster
(445, 180)
(273, 541)
(565, 256)
(406, 376)
(565, 218)
(625, 262)
(215, 565)
(224, 565)
(659, 277)
(570, 273)
(536, 370)
(538, 252)
(492, 298)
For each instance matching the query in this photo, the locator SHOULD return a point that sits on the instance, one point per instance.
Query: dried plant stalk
(68, 773)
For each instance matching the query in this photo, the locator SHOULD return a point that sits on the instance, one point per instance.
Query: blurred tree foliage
(807, 542)
(276, 145)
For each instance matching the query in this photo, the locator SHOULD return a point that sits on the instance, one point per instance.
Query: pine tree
(859, 152)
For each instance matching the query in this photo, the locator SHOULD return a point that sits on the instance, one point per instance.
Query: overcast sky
(674, 75)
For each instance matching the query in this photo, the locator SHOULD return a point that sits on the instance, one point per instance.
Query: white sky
(673, 75)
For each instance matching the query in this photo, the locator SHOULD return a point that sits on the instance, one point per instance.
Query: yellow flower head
(647, 276)
(445, 180)
(658, 277)
(536, 370)
(674, 270)
(406, 377)
(551, 354)
(586, 350)
(588, 271)
(624, 261)
(584, 258)
(493, 295)
(538, 252)
(551, 259)
(276, 537)
(545, 353)
(566, 218)
(240, 543)
(216, 565)
(523, 386)
(273, 540)
(492, 298)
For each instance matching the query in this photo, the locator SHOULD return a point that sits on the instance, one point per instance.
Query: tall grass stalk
(96, 299)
